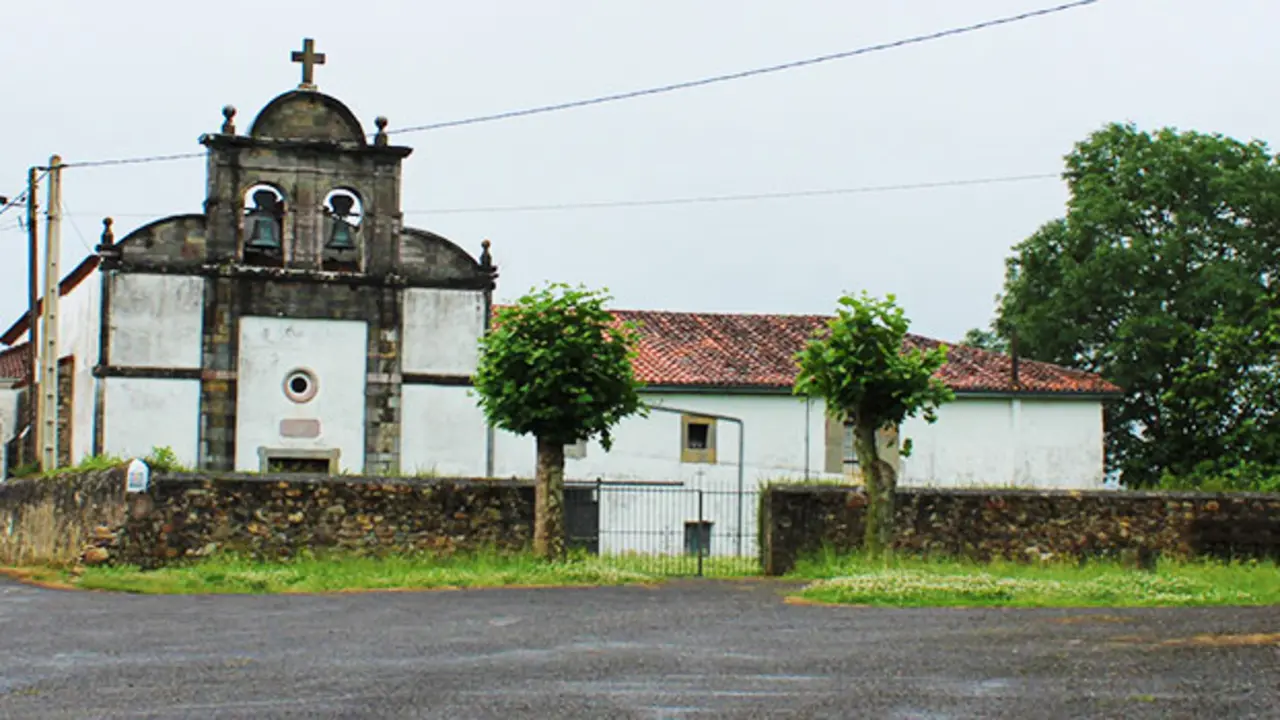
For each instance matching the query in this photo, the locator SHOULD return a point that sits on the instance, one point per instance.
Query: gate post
(697, 538)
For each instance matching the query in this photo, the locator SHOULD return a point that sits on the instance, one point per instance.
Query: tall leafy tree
(858, 364)
(1162, 276)
(557, 365)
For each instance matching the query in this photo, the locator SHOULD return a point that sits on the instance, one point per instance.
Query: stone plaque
(296, 428)
(138, 477)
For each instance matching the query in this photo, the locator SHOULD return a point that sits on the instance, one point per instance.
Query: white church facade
(295, 324)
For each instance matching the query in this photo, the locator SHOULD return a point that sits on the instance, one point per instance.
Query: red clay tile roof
(724, 350)
(683, 349)
(14, 362)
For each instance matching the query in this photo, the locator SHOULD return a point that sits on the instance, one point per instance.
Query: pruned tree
(558, 366)
(859, 366)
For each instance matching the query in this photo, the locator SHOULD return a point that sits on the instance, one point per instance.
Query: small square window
(697, 439)
(698, 436)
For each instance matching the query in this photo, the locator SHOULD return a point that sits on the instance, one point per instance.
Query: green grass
(239, 575)
(914, 582)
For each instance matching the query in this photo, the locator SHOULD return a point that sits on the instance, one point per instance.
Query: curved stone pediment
(431, 258)
(171, 242)
(307, 115)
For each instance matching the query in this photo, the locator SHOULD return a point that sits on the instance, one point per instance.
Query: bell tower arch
(304, 189)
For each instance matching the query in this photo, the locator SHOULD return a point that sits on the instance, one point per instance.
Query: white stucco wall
(79, 325)
(8, 423)
(976, 441)
(79, 321)
(648, 449)
(143, 414)
(645, 519)
(992, 442)
(442, 431)
(156, 320)
(441, 331)
(270, 349)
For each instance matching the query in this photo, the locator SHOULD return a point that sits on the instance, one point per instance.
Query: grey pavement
(683, 650)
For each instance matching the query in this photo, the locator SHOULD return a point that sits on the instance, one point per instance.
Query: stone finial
(228, 122)
(108, 237)
(486, 259)
(381, 137)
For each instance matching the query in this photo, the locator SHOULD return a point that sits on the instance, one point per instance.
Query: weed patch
(911, 582)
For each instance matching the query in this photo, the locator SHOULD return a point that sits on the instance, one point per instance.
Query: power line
(732, 198)
(700, 199)
(134, 161)
(914, 40)
(71, 218)
(21, 197)
(747, 73)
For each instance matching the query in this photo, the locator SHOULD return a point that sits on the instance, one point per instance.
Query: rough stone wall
(51, 520)
(1022, 525)
(188, 516)
(230, 298)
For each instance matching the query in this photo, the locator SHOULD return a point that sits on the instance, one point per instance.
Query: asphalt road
(686, 650)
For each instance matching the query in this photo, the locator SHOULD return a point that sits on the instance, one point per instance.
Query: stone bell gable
(305, 192)
(295, 322)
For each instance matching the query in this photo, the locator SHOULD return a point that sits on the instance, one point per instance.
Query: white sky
(95, 80)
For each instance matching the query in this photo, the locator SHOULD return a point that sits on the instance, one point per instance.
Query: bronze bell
(265, 233)
(340, 238)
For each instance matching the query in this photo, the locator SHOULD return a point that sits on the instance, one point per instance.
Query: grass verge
(230, 574)
(914, 582)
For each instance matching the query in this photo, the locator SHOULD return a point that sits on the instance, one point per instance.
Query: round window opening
(300, 386)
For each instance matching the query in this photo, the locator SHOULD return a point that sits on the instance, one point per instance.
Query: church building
(294, 323)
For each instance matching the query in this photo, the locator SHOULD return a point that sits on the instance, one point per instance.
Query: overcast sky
(95, 80)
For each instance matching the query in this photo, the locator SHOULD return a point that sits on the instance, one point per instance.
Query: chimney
(1013, 357)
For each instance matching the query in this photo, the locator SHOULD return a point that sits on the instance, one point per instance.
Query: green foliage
(164, 459)
(1215, 476)
(858, 364)
(230, 573)
(557, 365)
(902, 581)
(985, 340)
(160, 459)
(1163, 277)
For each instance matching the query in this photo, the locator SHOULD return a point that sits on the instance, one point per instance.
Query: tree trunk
(548, 505)
(881, 482)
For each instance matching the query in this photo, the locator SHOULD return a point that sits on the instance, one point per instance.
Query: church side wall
(156, 320)
(443, 429)
(8, 425)
(81, 325)
(147, 413)
(442, 330)
(154, 324)
(444, 432)
(1008, 442)
(649, 449)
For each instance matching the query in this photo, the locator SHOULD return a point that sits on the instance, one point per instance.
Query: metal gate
(665, 529)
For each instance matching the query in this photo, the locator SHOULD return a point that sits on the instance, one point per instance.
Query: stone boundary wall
(184, 516)
(51, 521)
(1023, 524)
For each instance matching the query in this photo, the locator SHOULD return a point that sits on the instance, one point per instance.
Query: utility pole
(33, 281)
(49, 320)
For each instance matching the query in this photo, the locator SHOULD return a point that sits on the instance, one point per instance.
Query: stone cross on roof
(309, 58)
